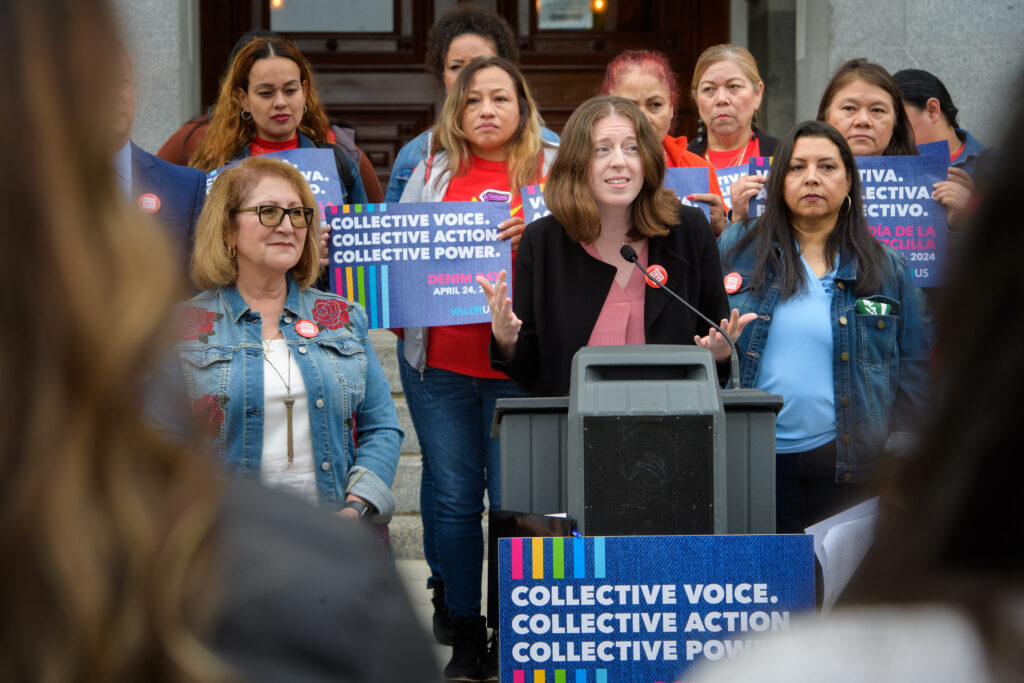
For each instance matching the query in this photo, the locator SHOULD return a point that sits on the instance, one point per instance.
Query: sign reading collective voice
(415, 265)
(644, 608)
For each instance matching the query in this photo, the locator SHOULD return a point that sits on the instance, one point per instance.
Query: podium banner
(415, 265)
(643, 608)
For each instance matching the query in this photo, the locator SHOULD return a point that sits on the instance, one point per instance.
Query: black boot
(442, 619)
(490, 669)
(467, 650)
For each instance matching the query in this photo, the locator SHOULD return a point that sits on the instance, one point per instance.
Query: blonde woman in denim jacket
(838, 332)
(282, 377)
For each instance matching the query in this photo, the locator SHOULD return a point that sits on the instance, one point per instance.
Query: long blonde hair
(229, 133)
(524, 150)
(212, 264)
(106, 531)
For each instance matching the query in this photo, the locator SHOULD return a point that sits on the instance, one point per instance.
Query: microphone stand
(629, 253)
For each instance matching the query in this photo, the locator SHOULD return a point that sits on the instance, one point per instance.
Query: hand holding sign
(714, 202)
(505, 325)
(742, 190)
(715, 343)
(955, 195)
(512, 230)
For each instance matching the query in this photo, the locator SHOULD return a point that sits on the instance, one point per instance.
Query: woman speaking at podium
(837, 330)
(573, 288)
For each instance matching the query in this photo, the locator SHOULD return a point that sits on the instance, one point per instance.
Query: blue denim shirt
(879, 363)
(968, 159)
(415, 151)
(220, 357)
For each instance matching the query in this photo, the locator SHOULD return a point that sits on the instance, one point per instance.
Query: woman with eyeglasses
(282, 376)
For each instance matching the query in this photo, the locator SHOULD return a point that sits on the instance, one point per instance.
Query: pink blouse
(622, 317)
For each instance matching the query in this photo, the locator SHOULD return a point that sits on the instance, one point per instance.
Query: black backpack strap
(341, 161)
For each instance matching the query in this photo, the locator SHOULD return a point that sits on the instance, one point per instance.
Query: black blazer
(559, 290)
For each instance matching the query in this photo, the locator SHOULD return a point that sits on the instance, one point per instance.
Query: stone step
(384, 345)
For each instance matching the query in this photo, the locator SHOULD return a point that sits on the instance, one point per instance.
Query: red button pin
(658, 274)
(306, 328)
(733, 282)
(149, 203)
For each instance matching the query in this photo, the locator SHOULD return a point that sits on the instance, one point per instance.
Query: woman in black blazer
(572, 286)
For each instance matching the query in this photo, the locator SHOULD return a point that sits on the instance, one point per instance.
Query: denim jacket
(221, 359)
(879, 364)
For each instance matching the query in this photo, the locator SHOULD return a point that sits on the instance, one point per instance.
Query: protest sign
(934, 149)
(689, 180)
(316, 165)
(758, 166)
(726, 177)
(643, 608)
(415, 265)
(901, 213)
(534, 207)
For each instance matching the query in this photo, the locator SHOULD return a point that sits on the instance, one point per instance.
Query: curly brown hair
(229, 133)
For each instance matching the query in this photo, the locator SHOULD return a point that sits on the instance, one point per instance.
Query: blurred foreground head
(104, 529)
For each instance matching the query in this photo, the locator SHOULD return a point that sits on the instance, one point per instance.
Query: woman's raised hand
(505, 325)
(716, 343)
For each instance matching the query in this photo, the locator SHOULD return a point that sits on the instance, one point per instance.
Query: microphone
(629, 253)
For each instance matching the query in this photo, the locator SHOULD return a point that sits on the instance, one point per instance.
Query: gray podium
(645, 444)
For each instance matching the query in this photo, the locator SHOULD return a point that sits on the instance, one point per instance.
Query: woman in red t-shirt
(646, 79)
(485, 146)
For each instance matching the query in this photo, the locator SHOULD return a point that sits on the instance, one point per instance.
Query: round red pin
(733, 282)
(656, 273)
(149, 203)
(306, 328)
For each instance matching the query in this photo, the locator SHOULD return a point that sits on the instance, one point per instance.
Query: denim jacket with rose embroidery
(220, 357)
(879, 362)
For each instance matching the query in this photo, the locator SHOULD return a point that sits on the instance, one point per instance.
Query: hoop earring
(243, 114)
(232, 252)
(304, 109)
(848, 205)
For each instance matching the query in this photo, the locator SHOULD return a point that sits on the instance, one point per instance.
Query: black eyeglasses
(271, 216)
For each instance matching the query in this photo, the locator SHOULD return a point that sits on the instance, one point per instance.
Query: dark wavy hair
(772, 234)
(229, 133)
(917, 86)
(567, 191)
(902, 141)
(468, 19)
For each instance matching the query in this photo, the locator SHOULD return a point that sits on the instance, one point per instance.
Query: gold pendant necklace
(288, 400)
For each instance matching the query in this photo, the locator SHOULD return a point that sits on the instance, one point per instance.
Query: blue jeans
(452, 415)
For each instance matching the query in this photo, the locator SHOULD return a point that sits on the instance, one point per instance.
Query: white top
(300, 478)
(910, 644)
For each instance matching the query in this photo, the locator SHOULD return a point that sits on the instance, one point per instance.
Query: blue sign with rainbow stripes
(643, 608)
(415, 265)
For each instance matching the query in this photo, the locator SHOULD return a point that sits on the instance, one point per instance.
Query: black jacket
(559, 290)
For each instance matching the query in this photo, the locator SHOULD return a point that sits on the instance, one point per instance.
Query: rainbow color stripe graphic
(557, 558)
(366, 285)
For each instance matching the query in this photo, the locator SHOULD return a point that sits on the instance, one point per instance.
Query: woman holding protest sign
(837, 333)
(727, 90)
(485, 146)
(573, 287)
(646, 79)
(321, 421)
(268, 102)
